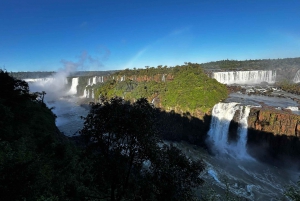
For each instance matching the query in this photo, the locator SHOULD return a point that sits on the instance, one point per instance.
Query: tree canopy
(132, 162)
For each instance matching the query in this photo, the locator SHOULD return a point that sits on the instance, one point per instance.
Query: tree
(36, 162)
(129, 163)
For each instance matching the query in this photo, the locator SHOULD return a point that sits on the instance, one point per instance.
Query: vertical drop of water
(241, 150)
(222, 114)
(73, 89)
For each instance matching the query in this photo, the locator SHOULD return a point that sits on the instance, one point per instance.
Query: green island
(182, 89)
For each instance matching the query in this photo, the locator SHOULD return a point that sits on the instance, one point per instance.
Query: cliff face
(278, 122)
(273, 134)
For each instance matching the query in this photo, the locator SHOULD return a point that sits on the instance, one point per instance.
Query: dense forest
(258, 64)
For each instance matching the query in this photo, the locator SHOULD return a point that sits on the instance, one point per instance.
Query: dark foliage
(34, 164)
(130, 164)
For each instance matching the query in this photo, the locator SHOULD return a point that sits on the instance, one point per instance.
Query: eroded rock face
(278, 122)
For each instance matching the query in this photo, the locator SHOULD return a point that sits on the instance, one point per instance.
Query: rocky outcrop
(273, 135)
(278, 122)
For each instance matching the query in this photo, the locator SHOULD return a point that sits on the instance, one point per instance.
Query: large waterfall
(73, 89)
(245, 77)
(222, 115)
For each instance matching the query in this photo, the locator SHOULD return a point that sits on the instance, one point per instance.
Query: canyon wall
(273, 136)
(278, 122)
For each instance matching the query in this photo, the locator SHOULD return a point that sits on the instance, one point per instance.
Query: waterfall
(242, 131)
(94, 80)
(245, 77)
(297, 77)
(73, 89)
(41, 80)
(222, 115)
(84, 93)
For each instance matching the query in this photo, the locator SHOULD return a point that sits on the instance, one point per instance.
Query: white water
(248, 179)
(73, 89)
(41, 80)
(92, 81)
(242, 131)
(84, 93)
(297, 77)
(245, 77)
(222, 115)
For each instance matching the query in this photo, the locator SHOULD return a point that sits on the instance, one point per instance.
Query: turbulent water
(64, 103)
(68, 113)
(242, 178)
(231, 168)
(245, 77)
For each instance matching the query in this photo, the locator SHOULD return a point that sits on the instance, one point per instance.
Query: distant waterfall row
(88, 91)
(245, 77)
(222, 115)
(95, 80)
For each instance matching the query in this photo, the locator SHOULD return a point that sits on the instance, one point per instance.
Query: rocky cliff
(278, 122)
(273, 135)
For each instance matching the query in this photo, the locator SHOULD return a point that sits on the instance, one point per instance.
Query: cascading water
(94, 80)
(297, 77)
(242, 131)
(93, 95)
(73, 89)
(84, 94)
(222, 115)
(245, 77)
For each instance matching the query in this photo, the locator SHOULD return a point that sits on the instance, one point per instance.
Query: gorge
(239, 127)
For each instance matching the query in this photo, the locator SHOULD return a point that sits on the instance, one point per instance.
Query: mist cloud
(56, 86)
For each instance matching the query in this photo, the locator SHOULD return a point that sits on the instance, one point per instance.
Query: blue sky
(44, 35)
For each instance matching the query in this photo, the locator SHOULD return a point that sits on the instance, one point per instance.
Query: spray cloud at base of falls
(222, 115)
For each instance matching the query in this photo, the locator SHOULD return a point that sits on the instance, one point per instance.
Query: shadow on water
(279, 150)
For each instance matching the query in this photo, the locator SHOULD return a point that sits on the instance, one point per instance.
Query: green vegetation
(35, 163)
(182, 88)
(130, 160)
(289, 87)
(123, 158)
(293, 192)
(258, 64)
